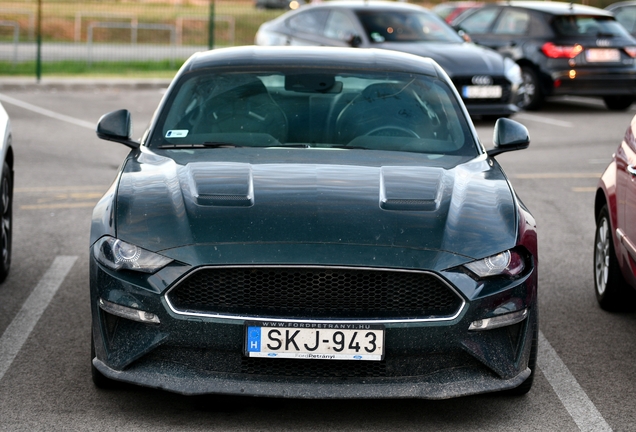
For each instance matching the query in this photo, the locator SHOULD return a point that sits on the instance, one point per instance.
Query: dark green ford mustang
(314, 223)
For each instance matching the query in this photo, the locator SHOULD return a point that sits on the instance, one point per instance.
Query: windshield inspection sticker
(177, 133)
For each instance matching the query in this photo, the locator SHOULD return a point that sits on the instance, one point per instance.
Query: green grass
(140, 69)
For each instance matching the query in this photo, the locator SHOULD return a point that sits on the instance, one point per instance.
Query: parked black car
(487, 82)
(562, 48)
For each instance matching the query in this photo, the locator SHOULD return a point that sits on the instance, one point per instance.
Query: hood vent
(410, 188)
(223, 184)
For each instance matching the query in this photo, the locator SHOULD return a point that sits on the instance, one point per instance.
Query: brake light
(561, 51)
(631, 51)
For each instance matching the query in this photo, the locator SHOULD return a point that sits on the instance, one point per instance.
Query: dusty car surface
(615, 239)
(316, 223)
(488, 83)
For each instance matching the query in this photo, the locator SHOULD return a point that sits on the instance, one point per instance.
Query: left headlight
(509, 263)
(512, 71)
(119, 255)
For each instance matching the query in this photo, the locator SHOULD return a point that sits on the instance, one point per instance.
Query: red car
(615, 240)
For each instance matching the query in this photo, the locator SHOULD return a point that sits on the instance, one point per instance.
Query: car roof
(620, 4)
(557, 8)
(313, 57)
(366, 4)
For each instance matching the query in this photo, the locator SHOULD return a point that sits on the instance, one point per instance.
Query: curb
(22, 83)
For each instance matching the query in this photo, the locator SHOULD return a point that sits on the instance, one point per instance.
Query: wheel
(618, 103)
(612, 292)
(532, 364)
(395, 131)
(6, 221)
(99, 379)
(531, 94)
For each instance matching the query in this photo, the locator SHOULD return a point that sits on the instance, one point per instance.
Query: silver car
(489, 84)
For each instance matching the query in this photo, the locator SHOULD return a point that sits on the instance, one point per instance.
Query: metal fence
(94, 31)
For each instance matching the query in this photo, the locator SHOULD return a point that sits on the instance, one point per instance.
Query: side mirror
(116, 126)
(464, 35)
(509, 135)
(355, 41)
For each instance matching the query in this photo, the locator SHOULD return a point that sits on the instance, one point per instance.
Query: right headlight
(508, 263)
(119, 255)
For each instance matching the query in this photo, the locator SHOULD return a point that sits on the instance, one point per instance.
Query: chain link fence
(88, 36)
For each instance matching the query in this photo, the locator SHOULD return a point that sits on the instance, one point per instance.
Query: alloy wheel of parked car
(6, 220)
(612, 291)
(531, 96)
(618, 103)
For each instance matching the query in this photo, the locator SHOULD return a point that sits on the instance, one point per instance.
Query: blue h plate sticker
(253, 339)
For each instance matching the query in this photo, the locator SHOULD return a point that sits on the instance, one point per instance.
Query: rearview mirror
(116, 126)
(509, 135)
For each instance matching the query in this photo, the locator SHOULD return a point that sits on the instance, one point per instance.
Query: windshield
(314, 109)
(398, 26)
(594, 26)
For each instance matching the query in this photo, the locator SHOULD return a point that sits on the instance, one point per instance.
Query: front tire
(612, 292)
(618, 103)
(6, 221)
(532, 95)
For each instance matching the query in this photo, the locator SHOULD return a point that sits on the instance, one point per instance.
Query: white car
(6, 194)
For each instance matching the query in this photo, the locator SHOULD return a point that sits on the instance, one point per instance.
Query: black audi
(562, 49)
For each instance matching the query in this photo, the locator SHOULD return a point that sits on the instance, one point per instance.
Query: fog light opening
(499, 321)
(128, 313)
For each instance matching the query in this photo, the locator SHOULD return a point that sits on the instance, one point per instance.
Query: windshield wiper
(215, 144)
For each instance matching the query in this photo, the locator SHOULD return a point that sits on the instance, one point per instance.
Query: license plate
(600, 55)
(482, 92)
(314, 341)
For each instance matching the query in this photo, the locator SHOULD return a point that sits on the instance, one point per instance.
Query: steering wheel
(393, 131)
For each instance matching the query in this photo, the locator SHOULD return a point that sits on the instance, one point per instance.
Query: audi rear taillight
(631, 51)
(561, 51)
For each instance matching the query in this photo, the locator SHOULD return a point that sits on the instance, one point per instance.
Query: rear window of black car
(309, 108)
(587, 25)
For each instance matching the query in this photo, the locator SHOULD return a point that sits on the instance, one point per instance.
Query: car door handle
(632, 170)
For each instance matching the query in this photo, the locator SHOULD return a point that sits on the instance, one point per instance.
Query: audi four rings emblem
(603, 42)
(482, 80)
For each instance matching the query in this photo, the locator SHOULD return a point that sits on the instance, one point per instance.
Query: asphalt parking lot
(585, 379)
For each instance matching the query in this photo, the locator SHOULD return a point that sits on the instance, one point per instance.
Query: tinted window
(480, 21)
(315, 108)
(398, 26)
(512, 22)
(309, 22)
(627, 17)
(576, 25)
(339, 26)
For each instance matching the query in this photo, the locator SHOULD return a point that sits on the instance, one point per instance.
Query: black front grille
(315, 293)
(460, 82)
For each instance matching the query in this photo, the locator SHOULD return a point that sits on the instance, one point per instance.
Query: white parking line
(542, 119)
(572, 396)
(45, 112)
(20, 328)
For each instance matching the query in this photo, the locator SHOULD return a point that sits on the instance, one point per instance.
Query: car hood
(463, 59)
(392, 201)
